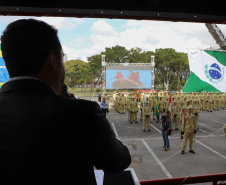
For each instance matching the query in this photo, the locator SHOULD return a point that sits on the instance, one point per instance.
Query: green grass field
(81, 92)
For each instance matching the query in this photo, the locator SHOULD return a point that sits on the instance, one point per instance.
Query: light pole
(152, 72)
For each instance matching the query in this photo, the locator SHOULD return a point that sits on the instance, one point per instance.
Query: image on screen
(128, 77)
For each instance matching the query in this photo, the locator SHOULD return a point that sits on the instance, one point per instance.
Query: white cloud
(61, 22)
(149, 35)
(57, 22)
(102, 28)
(73, 54)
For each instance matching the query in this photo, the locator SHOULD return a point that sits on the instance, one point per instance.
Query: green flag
(207, 71)
(157, 108)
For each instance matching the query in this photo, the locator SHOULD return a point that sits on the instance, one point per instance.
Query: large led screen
(128, 77)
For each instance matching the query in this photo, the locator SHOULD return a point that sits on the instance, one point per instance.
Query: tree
(95, 65)
(181, 66)
(165, 60)
(116, 54)
(77, 72)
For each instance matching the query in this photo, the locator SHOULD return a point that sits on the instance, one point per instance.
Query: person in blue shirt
(104, 106)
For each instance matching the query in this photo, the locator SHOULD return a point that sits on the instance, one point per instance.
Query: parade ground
(150, 161)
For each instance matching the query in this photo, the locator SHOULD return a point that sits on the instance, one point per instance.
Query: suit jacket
(50, 139)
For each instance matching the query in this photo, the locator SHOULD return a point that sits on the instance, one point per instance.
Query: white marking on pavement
(146, 138)
(214, 151)
(125, 127)
(156, 129)
(217, 121)
(157, 160)
(206, 126)
(210, 135)
(116, 133)
(169, 157)
(203, 131)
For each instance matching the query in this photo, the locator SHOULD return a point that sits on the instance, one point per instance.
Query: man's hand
(71, 95)
(165, 132)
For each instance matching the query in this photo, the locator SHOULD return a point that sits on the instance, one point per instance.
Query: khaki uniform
(175, 111)
(161, 108)
(117, 103)
(204, 103)
(153, 106)
(139, 96)
(221, 101)
(201, 101)
(188, 127)
(141, 110)
(134, 110)
(217, 100)
(129, 108)
(195, 111)
(224, 130)
(122, 104)
(166, 105)
(209, 100)
(146, 117)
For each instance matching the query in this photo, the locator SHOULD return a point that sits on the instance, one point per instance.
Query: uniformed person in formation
(224, 130)
(146, 117)
(209, 102)
(129, 102)
(141, 109)
(161, 106)
(189, 128)
(204, 101)
(166, 104)
(175, 111)
(222, 100)
(216, 101)
(122, 104)
(184, 111)
(154, 104)
(117, 100)
(150, 104)
(133, 110)
(196, 112)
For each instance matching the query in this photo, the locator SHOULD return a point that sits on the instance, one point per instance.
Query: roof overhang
(161, 10)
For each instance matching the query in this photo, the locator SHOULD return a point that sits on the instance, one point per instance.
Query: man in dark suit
(46, 137)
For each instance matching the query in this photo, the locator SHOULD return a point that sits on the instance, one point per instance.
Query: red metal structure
(188, 180)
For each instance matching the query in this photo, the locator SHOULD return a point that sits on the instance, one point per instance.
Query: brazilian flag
(4, 75)
(157, 108)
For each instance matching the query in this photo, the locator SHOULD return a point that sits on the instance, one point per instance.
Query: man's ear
(51, 60)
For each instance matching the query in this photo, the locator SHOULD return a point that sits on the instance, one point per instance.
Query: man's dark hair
(168, 112)
(26, 44)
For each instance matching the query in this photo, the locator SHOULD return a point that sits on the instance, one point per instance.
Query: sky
(84, 37)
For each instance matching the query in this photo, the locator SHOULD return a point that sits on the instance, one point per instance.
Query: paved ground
(151, 162)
